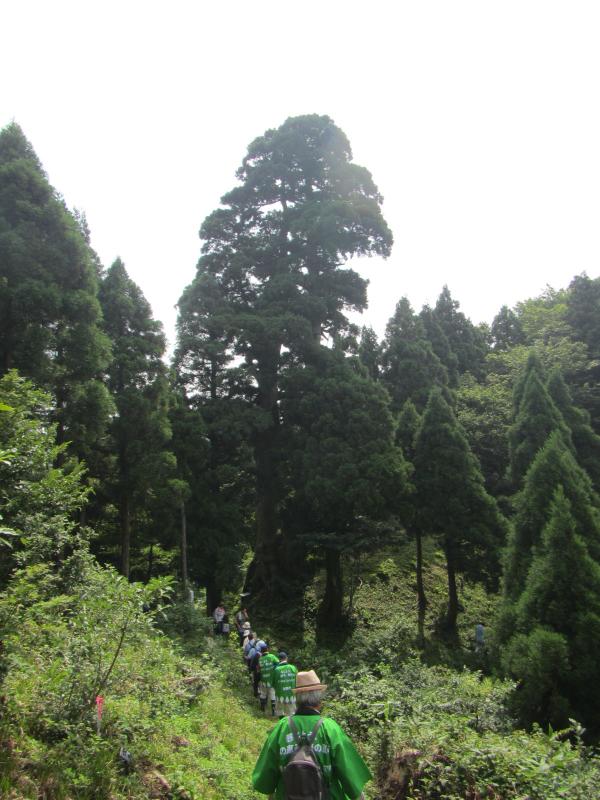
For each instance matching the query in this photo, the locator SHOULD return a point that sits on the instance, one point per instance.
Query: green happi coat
(284, 682)
(266, 665)
(344, 771)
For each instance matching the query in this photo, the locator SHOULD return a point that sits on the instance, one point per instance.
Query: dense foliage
(377, 498)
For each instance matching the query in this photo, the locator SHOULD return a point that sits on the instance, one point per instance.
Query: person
(266, 664)
(343, 770)
(225, 627)
(254, 665)
(245, 633)
(218, 615)
(240, 618)
(284, 683)
(479, 637)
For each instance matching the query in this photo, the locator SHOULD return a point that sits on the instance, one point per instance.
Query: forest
(373, 501)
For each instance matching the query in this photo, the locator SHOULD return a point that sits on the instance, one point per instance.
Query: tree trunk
(421, 596)
(125, 524)
(265, 445)
(213, 596)
(184, 560)
(453, 605)
(331, 611)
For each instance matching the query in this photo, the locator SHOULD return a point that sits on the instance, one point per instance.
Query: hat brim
(314, 687)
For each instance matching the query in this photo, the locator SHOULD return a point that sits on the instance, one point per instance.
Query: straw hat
(308, 682)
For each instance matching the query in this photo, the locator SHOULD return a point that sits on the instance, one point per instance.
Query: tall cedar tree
(585, 441)
(440, 344)
(346, 470)
(583, 316)
(49, 312)
(453, 503)
(369, 352)
(275, 249)
(555, 648)
(466, 341)
(409, 367)
(214, 394)
(140, 429)
(553, 466)
(409, 423)
(536, 417)
(214, 459)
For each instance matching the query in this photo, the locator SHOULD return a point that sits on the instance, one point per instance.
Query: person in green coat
(284, 684)
(344, 771)
(266, 664)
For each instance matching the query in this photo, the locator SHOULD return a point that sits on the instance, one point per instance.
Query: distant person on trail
(225, 627)
(240, 618)
(307, 755)
(479, 637)
(284, 683)
(218, 615)
(266, 665)
(254, 665)
(245, 633)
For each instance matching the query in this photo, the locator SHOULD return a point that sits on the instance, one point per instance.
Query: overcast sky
(480, 122)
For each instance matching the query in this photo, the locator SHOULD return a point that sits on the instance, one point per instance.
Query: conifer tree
(346, 469)
(536, 417)
(275, 248)
(410, 368)
(559, 606)
(553, 466)
(49, 311)
(453, 503)
(409, 423)
(465, 340)
(506, 331)
(440, 344)
(140, 430)
(585, 441)
(369, 352)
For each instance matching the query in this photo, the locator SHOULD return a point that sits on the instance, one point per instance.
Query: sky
(479, 120)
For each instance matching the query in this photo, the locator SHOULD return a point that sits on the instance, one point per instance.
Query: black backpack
(302, 775)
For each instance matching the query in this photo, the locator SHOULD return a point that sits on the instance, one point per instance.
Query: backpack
(302, 775)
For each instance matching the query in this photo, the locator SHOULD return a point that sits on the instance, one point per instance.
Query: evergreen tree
(536, 417)
(440, 344)
(506, 331)
(346, 469)
(137, 381)
(49, 311)
(410, 368)
(369, 352)
(585, 441)
(466, 341)
(453, 503)
(553, 466)
(275, 249)
(583, 315)
(561, 597)
(409, 423)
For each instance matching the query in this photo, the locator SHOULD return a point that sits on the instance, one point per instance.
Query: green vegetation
(378, 499)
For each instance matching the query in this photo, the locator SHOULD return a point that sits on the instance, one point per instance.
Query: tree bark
(265, 444)
(453, 605)
(184, 560)
(125, 524)
(332, 607)
(421, 596)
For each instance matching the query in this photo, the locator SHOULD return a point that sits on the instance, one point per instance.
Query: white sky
(480, 122)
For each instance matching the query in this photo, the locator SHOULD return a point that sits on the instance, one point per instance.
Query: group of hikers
(306, 756)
